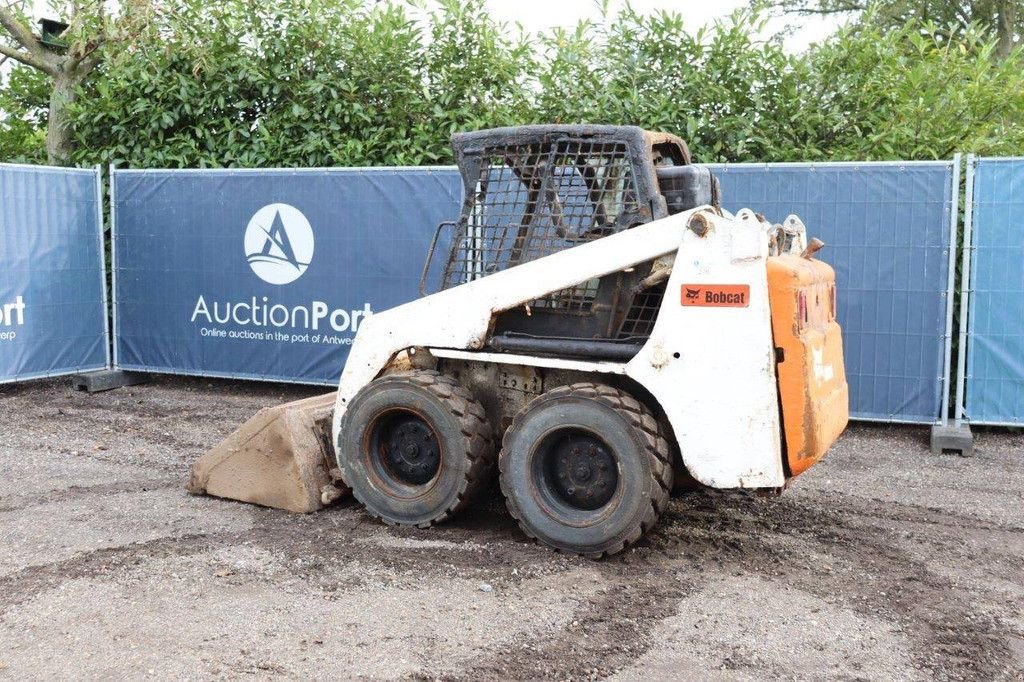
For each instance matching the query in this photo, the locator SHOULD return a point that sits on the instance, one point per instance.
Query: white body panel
(719, 395)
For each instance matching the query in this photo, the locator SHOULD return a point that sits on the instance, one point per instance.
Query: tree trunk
(1006, 20)
(59, 135)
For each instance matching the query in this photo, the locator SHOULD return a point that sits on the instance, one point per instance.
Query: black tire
(415, 447)
(552, 474)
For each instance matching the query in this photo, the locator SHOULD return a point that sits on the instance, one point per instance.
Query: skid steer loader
(603, 331)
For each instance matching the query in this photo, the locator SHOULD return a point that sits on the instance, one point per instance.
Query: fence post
(103, 260)
(110, 377)
(950, 291)
(112, 197)
(958, 436)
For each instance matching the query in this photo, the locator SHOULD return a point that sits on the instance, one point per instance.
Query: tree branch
(79, 60)
(19, 31)
(88, 64)
(28, 59)
(79, 16)
(822, 10)
(76, 61)
(1006, 20)
(965, 18)
(33, 55)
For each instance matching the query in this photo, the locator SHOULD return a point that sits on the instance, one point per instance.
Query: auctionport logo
(279, 248)
(279, 244)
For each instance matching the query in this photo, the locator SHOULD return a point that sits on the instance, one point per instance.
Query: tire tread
(480, 450)
(655, 448)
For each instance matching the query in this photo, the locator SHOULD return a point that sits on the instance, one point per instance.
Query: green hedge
(329, 82)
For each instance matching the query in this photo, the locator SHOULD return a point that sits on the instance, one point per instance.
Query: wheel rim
(406, 446)
(576, 468)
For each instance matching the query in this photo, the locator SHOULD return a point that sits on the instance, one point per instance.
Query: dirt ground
(884, 562)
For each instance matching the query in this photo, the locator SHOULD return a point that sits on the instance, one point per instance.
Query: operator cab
(532, 191)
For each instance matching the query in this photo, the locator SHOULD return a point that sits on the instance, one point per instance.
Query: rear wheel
(586, 468)
(415, 447)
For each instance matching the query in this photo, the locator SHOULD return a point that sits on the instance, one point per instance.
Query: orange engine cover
(812, 380)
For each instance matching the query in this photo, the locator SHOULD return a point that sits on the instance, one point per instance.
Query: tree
(873, 93)
(300, 83)
(717, 87)
(865, 93)
(1003, 18)
(306, 83)
(67, 65)
(24, 97)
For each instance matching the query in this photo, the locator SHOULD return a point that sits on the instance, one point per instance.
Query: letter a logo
(279, 243)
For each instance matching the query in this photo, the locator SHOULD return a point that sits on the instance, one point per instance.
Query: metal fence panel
(995, 327)
(181, 241)
(886, 227)
(266, 274)
(53, 312)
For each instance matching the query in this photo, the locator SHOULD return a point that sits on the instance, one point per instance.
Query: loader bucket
(282, 457)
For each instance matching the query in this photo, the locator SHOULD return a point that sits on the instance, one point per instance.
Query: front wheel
(585, 468)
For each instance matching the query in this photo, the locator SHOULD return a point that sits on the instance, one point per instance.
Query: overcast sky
(536, 15)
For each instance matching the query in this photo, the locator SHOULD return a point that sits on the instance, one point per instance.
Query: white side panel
(719, 394)
(713, 368)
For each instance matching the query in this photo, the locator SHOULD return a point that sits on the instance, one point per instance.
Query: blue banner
(995, 348)
(266, 274)
(886, 229)
(53, 310)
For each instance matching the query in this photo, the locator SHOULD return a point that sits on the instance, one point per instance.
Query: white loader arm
(711, 368)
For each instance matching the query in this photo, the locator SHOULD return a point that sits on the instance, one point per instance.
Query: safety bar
(430, 254)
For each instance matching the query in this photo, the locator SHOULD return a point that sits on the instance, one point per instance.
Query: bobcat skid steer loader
(603, 331)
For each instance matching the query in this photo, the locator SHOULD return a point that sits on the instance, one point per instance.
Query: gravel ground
(882, 562)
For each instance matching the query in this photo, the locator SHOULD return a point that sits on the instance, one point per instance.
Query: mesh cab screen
(533, 200)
